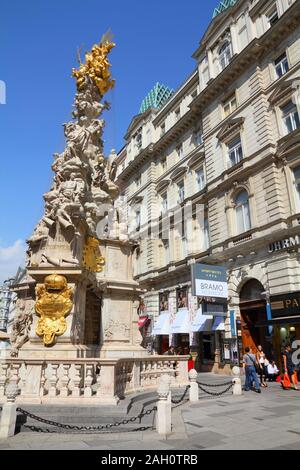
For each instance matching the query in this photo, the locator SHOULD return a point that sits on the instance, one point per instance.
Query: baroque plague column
(79, 254)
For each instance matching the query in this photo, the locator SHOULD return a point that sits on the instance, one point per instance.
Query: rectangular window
(281, 65)
(200, 179)
(138, 220)
(167, 251)
(290, 117)
(272, 16)
(206, 238)
(242, 31)
(179, 150)
(164, 164)
(162, 129)
(181, 196)
(229, 105)
(164, 204)
(177, 114)
(198, 137)
(235, 152)
(138, 182)
(296, 172)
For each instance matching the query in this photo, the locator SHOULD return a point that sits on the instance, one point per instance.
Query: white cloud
(11, 257)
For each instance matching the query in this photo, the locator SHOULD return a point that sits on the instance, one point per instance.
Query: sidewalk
(270, 420)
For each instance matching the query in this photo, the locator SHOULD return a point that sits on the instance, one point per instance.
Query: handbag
(286, 383)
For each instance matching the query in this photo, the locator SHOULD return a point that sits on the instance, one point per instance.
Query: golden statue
(92, 259)
(54, 303)
(96, 67)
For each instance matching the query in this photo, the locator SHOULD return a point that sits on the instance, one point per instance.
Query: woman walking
(261, 358)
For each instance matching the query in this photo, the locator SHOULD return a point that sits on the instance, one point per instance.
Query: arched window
(242, 209)
(224, 55)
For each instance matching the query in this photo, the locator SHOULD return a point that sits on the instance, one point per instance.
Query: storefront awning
(143, 321)
(202, 322)
(219, 324)
(162, 325)
(181, 324)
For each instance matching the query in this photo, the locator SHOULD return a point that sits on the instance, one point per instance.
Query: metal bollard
(164, 407)
(237, 384)
(194, 391)
(9, 412)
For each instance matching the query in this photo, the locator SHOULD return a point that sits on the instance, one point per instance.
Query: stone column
(194, 391)
(9, 412)
(237, 384)
(164, 407)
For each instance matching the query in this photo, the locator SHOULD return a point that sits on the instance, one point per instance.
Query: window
(164, 205)
(281, 65)
(296, 172)
(138, 220)
(225, 55)
(242, 31)
(200, 179)
(166, 245)
(162, 129)
(272, 16)
(194, 94)
(242, 209)
(138, 139)
(138, 181)
(177, 114)
(235, 152)
(180, 187)
(198, 137)
(179, 150)
(206, 237)
(290, 117)
(230, 105)
(164, 164)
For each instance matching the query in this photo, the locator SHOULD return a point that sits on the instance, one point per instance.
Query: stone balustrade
(88, 381)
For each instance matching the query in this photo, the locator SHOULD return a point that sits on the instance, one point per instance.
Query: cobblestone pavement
(270, 420)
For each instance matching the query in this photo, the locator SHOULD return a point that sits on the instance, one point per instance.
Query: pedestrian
(170, 351)
(289, 366)
(261, 357)
(249, 364)
(273, 371)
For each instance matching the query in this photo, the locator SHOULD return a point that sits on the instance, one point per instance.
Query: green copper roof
(157, 97)
(223, 5)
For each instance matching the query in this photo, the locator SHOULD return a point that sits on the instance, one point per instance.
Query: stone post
(164, 407)
(183, 373)
(194, 391)
(9, 412)
(107, 384)
(237, 384)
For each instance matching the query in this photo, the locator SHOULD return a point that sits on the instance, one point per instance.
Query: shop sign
(285, 305)
(209, 281)
(283, 244)
(215, 309)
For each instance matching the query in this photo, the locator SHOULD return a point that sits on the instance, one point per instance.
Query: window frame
(239, 208)
(224, 55)
(232, 146)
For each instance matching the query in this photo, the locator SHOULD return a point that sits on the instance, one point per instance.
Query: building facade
(223, 154)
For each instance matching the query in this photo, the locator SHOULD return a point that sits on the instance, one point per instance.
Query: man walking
(249, 363)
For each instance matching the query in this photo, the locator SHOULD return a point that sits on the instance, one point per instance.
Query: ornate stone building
(227, 140)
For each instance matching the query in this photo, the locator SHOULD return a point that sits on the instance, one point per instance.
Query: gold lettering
(288, 303)
(295, 303)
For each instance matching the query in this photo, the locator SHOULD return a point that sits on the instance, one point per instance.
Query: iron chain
(83, 428)
(215, 394)
(176, 402)
(214, 385)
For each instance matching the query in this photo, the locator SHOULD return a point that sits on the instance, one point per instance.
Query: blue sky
(38, 43)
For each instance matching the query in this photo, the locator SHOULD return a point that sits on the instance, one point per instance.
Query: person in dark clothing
(289, 366)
